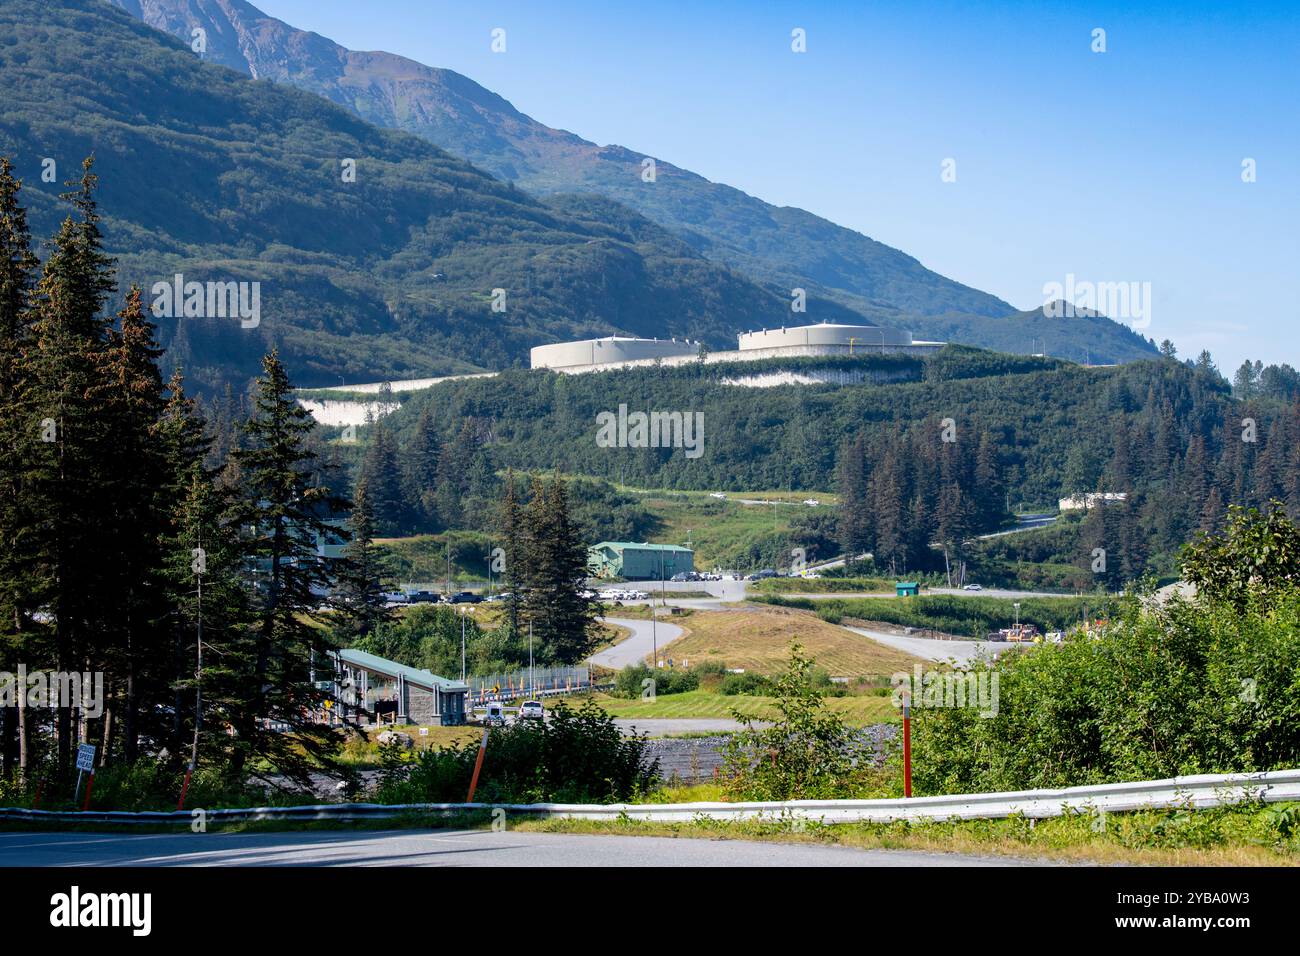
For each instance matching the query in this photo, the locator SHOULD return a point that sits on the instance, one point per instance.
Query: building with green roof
(638, 562)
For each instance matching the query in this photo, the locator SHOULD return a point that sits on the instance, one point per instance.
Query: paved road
(1024, 523)
(439, 848)
(931, 650)
(639, 646)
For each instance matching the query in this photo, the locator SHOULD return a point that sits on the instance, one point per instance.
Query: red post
(907, 746)
(478, 765)
(185, 788)
(89, 785)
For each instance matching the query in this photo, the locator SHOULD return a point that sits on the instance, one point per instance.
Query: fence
(545, 682)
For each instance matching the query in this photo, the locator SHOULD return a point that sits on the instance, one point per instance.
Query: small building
(373, 690)
(907, 589)
(638, 562)
(1093, 499)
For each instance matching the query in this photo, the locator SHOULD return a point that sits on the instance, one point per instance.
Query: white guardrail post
(1206, 790)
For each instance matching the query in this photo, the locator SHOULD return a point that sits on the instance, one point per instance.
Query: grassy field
(717, 528)
(857, 711)
(1248, 835)
(758, 639)
(822, 585)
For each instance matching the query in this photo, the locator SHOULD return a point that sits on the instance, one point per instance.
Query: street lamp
(462, 643)
(1016, 605)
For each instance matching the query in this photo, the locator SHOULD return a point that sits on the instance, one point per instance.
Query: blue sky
(1116, 166)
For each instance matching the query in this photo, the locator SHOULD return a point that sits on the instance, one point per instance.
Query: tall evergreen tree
(18, 267)
(362, 606)
(285, 514)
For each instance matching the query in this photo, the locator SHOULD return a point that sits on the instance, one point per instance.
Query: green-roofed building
(373, 689)
(638, 562)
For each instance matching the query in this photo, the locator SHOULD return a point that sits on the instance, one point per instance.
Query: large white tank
(831, 338)
(609, 350)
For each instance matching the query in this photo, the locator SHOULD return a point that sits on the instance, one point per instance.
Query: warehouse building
(638, 562)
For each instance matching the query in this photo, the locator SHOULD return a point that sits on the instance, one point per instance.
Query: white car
(811, 502)
(717, 494)
(532, 710)
(972, 587)
(611, 595)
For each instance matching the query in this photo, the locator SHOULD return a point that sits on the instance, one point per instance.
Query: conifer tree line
(124, 533)
(902, 492)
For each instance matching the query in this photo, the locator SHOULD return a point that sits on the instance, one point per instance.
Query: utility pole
(532, 683)
(462, 643)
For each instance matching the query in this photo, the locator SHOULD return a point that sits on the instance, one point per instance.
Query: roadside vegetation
(968, 617)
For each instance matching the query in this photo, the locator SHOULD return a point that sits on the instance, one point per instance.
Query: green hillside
(781, 247)
(218, 177)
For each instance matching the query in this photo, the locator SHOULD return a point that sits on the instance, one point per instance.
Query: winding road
(639, 646)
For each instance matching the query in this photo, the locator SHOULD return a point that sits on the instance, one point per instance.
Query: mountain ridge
(782, 247)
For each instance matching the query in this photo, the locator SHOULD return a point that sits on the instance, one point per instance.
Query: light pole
(1016, 605)
(532, 684)
(462, 643)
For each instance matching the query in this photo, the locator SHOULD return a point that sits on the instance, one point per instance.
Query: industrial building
(638, 562)
(370, 689)
(611, 350)
(824, 338)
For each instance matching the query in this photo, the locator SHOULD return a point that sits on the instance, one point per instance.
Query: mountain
(781, 247)
(208, 173)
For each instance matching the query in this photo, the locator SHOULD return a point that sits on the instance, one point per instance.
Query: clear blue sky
(1115, 166)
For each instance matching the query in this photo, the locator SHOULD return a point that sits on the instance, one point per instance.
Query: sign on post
(86, 757)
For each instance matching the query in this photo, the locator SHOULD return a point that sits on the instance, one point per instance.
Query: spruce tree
(18, 267)
(284, 514)
(361, 603)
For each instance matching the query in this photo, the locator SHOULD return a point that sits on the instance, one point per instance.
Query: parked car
(811, 502)
(397, 597)
(761, 575)
(973, 587)
(717, 494)
(422, 597)
(611, 595)
(532, 710)
(465, 597)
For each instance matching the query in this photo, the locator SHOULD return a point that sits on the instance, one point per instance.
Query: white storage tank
(609, 350)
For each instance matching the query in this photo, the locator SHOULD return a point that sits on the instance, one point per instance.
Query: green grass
(1240, 835)
(708, 704)
(962, 616)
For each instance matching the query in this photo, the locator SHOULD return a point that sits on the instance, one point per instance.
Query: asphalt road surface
(440, 848)
(639, 646)
(929, 649)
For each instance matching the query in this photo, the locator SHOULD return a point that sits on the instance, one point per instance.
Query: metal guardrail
(1206, 790)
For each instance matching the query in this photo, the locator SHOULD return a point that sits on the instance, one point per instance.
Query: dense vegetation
(1192, 686)
(573, 757)
(215, 176)
(966, 616)
(779, 246)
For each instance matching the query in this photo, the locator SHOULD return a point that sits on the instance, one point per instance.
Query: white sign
(86, 757)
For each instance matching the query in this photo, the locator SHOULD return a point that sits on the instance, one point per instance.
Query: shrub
(573, 757)
(755, 685)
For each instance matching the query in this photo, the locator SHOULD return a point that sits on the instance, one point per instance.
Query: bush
(1191, 688)
(807, 754)
(631, 681)
(753, 685)
(573, 757)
